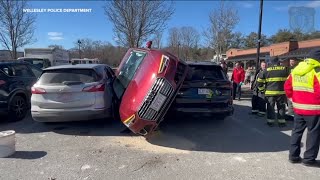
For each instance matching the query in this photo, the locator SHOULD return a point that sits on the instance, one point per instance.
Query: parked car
(206, 89)
(73, 93)
(39, 62)
(147, 83)
(16, 80)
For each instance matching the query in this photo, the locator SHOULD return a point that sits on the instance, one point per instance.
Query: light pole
(178, 50)
(79, 43)
(259, 37)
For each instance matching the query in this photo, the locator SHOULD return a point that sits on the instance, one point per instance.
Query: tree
(237, 41)
(104, 51)
(174, 40)
(16, 26)
(158, 39)
(190, 38)
(222, 22)
(251, 40)
(313, 35)
(135, 21)
(282, 35)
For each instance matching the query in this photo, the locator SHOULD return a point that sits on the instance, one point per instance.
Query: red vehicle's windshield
(128, 70)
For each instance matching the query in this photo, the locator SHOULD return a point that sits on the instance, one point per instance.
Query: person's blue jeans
(236, 90)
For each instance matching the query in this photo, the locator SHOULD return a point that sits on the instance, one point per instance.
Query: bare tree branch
(174, 39)
(158, 39)
(183, 41)
(135, 21)
(16, 26)
(222, 22)
(189, 40)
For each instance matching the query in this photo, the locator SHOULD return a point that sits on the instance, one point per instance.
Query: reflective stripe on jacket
(304, 88)
(272, 80)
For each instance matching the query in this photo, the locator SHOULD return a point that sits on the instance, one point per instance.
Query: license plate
(204, 91)
(65, 97)
(158, 102)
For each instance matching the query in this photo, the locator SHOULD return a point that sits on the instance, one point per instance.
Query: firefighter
(271, 82)
(258, 99)
(303, 88)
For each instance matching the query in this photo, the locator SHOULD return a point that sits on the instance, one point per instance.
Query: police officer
(258, 98)
(303, 87)
(271, 82)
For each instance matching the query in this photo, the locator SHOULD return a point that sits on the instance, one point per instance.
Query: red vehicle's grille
(160, 86)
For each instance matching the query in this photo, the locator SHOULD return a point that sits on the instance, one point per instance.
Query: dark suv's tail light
(35, 90)
(2, 82)
(94, 88)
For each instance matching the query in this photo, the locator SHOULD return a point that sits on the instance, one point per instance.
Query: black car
(206, 89)
(16, 80)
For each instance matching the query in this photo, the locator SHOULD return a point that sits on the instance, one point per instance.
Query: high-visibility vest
(306, 97)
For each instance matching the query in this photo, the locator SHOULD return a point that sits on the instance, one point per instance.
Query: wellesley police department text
(56, 10)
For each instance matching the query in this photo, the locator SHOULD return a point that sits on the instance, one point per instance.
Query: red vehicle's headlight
(163, 64)
(129, 121)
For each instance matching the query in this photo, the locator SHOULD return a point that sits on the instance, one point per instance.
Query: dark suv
(16, 80)
(206, 89)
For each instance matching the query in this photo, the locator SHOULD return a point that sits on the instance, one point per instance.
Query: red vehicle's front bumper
(146, 119)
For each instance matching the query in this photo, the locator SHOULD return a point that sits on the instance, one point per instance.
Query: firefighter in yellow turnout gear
(271, 82)
(258, 99)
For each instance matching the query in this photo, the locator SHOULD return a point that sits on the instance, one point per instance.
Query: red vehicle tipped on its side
(146, 84)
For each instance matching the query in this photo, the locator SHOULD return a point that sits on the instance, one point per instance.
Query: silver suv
(72, 93)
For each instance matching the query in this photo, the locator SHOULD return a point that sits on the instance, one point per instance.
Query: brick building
(298, 49)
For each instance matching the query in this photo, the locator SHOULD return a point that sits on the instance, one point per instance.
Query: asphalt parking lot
(240, 147)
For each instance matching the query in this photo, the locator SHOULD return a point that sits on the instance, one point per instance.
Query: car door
(23, 77)
(109, 81)
(4, 88)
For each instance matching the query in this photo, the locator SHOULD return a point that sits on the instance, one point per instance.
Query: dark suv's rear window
(60, 76)
(200, 72)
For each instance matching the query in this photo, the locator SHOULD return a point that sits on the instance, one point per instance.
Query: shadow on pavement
(99, 127)
(241, 133)
(27, 155)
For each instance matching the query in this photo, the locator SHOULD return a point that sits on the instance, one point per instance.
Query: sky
(65, 28)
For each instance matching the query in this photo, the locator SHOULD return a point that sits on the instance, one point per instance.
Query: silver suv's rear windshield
(61, 76)
(200, 72)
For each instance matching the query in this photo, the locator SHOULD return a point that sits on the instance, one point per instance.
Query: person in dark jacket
(224, 66)
(293, 62)
(271, 82)
(258, 98)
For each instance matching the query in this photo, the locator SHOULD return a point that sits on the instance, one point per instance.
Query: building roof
(298, 53)
(248, 57)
